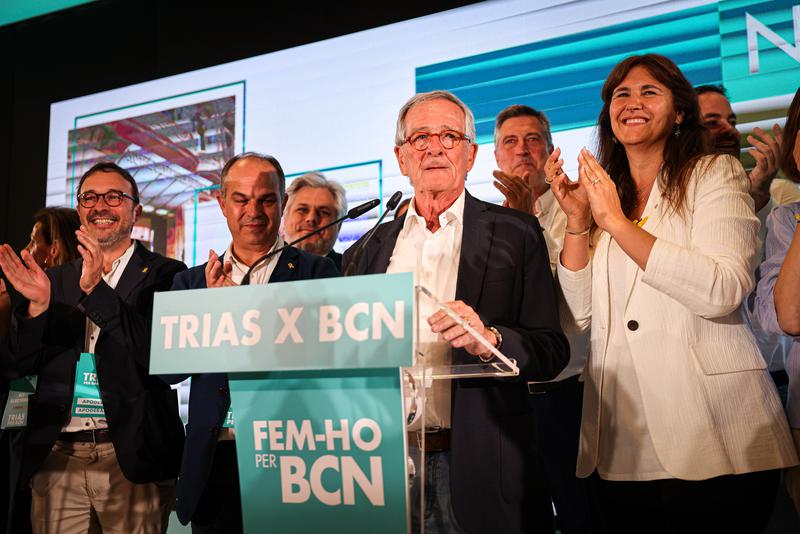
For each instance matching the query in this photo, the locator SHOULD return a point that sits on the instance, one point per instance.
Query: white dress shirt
(111, 278)
(433, 258)
(259, 276)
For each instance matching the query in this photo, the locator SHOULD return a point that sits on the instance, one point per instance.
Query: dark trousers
(553, 481)
(730, 504)
(220, 508)
(18, 497)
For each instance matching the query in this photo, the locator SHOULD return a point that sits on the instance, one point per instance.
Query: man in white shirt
(252, 194)
(489, 264)
(103, 439)
(523, 141)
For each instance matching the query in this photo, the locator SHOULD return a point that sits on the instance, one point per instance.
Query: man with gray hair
(312, 201)
(489, 265)
(523, 142)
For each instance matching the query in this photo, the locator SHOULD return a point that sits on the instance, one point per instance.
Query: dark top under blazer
(141, 410)
(209, 398)
(504, 274)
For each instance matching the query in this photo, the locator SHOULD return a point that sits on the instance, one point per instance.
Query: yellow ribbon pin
(291, 265)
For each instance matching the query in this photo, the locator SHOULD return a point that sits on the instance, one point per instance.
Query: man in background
(523, 141)
(312, 201)
(717, 115)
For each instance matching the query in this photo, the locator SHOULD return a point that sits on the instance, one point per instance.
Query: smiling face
(642, 113)
(307, 209)
(110, 225)
(436, 169)
(522, 148)
(251, 204)
(717, 115)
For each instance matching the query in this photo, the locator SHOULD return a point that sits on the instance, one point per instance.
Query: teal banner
(321, 452)
(15, 414)
(86, 401)
(338, 323)
(760, 48)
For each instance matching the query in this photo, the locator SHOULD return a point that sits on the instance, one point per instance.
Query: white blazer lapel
(652, 215)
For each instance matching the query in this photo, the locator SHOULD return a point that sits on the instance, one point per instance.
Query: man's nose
(312, 217)
(729, 128)
(435, 145)
(253, 208)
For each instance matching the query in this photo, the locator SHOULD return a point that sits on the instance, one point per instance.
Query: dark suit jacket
(142, 411)
(504, 274)
(210, 399)
(336, 258)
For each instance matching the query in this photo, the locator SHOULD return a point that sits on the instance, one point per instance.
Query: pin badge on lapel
(144, 270)
(291, 265)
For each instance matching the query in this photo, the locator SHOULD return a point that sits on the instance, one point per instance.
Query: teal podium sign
(337, 323)
(316, 396)
(321, 452)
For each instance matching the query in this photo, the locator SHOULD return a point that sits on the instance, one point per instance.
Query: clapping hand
(92, 253)
(27, 278)
(571, 196)
(601, 192)
(766, 151)
(515, 189)
(217, 274)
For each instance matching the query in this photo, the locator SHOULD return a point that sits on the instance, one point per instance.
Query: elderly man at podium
(490, 265)
(252, 194)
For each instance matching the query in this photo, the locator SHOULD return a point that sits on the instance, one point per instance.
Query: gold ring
(596, 181)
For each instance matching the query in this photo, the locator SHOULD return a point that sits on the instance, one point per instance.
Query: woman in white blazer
(682, 428)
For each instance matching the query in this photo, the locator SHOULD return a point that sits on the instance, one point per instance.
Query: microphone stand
(391, 204)
(354, 213)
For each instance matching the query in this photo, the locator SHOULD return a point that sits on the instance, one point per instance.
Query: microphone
(391, 204)
(353, 213)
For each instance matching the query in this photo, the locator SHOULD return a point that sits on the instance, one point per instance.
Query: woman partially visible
(777, 303)
(53, 242)
(682, 428)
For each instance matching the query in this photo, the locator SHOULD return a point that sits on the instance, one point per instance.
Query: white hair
(317, 180)
(469, 118)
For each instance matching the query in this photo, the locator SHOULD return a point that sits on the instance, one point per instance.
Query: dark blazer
(142, 411)
(504, 274)
(209, 398)
(336, 258)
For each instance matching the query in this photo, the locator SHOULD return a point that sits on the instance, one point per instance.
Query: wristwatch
(489, 357)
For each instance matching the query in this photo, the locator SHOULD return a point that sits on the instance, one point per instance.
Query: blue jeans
(439, 516)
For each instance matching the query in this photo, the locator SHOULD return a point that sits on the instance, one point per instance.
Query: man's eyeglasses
(448, 138)
(111, 198)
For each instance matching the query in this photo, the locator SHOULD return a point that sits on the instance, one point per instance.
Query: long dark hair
(788, 163)
(681, 152)
(59, 224)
